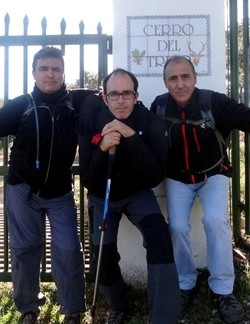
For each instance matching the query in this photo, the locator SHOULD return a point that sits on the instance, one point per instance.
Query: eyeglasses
(114, 95)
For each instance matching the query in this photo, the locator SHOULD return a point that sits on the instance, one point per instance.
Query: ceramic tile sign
(151, 40)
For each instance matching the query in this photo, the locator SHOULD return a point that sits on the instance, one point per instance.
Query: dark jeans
(26, 221)
(144, 212)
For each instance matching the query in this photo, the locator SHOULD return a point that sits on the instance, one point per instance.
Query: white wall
(133, 262)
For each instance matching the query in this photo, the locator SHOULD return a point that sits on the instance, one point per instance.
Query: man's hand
(118, 126)
(112, 133)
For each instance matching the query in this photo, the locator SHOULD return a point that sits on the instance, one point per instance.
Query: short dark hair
(48, 51)
(120, 71)
(178, 58)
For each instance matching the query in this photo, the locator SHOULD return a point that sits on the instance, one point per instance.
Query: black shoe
(230, 309)
(115, 318)
(186, 298)
(72, 319)
(30, 317)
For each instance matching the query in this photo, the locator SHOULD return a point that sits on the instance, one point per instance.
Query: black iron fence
(238, 65)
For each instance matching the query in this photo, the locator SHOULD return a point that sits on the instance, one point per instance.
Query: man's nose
(179, 83)
(50, 73)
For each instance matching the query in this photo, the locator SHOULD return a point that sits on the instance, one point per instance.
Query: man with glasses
(117, 119)
(198, 166)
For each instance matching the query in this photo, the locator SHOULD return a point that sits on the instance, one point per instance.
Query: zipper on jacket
(51, 147)
(186, 153)
(196, 140)
(37, 131)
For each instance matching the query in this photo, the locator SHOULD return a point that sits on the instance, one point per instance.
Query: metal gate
(238, 81)
(26, 42)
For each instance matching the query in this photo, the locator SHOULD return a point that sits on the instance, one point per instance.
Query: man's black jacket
(140, 160)
(194, 148)
(52, 139)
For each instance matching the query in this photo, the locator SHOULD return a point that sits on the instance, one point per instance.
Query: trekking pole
(103, 228)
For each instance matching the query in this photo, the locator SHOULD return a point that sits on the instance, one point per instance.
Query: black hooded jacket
(43, 150)
(140, 160)
(195, 148)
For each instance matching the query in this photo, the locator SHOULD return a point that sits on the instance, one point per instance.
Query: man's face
(120, 108)
(49, 74)
(180, 81)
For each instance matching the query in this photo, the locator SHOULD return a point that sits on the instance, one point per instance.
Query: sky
(91, 12)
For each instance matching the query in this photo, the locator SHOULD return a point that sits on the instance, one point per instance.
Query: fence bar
(246, 101)
(235, 134)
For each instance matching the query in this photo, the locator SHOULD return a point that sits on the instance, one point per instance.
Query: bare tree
(90, 81)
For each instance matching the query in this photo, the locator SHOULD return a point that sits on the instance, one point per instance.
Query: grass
(201, 311)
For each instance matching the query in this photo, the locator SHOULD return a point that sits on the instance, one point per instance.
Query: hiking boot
(230, 309)
(115, 318)
(186, 298)
(72, 319)
(30, 317)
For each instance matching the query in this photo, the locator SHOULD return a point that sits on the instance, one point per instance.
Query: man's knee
(157, 239)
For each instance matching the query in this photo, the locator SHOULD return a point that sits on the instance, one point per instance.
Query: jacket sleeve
(11, 114)
(153, 105)
(149, 155)
(229, 114)
(79, 96)
(92, 160)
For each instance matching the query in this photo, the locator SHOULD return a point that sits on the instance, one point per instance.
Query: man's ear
(166, 85)
(104, 98)
(136, 97)
(195, 77)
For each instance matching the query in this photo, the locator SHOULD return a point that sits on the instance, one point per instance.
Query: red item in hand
(96, 139)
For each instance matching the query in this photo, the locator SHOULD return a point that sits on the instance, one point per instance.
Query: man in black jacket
(118, 120)
(40, 183)
(198, 166)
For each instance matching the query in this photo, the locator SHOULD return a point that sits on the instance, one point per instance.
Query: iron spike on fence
(44, 25)
(25, 25)
(81, 27)
(99, 28)
(63, 26)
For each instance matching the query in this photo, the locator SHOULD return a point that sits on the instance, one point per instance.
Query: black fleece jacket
(140, 160)
(53, 142)
(195, 148)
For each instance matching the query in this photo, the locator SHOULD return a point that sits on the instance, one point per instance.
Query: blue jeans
(213, 195)
(26, 223)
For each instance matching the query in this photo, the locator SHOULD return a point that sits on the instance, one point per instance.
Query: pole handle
(112, 150)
